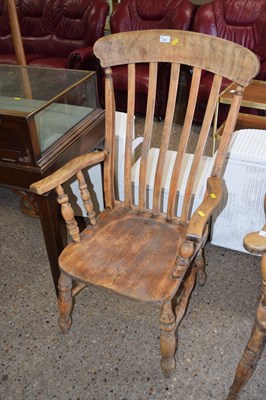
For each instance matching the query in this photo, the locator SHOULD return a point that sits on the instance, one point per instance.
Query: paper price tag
(165, 39)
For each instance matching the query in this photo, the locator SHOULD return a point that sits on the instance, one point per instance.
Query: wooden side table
(254, 97)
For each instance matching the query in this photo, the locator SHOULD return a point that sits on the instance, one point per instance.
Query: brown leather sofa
(55, 33)
(132, 15)
(242, 22)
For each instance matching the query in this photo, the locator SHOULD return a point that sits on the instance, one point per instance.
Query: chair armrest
(79, 58)
(203, 213)
(255, 242)
(66, 172)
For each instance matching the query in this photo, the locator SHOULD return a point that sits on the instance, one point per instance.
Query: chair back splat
(139, 250)
(201, 52)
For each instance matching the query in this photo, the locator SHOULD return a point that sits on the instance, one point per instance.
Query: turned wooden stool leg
(167, 339)
(255, 344)
(200, 263)
(64, 302)
(247, 363)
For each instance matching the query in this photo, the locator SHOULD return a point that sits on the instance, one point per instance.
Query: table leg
(28, 204)
(49, 217)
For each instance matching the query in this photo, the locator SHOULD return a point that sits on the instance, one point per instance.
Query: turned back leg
(65, 302)
(200, 263)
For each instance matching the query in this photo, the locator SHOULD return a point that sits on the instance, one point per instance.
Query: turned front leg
(167, 339)
(64, 302)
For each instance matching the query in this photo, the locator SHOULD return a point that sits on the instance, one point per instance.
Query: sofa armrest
(203, 213)
(205, 21)
(80, 58)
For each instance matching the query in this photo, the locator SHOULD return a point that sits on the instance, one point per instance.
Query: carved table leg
(64, 302)
(28, 205)
(167, 339)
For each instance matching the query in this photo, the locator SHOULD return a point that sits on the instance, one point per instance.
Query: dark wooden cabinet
(47, 116)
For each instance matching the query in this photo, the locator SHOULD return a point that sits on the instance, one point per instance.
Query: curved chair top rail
(219, 56)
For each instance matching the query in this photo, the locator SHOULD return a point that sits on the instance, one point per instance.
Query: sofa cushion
(139, 15)
(12, 59)
(240, 21)
(50, 62)
(54, 28)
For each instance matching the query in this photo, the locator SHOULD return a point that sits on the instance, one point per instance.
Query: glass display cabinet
(47, 116)
(40, 107)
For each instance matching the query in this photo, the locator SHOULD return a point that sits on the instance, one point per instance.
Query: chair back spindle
(183, 142)
(148, 129)
(167, 128)
(204, 132)
(228, 130)
(109, 141)
(129, 132)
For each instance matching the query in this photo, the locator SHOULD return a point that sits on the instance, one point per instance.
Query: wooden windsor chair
(254, 242)
(142, 253)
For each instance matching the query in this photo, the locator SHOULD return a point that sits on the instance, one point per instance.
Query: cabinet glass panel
(55, 99)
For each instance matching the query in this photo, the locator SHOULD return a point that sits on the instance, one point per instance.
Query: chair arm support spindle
(68, 214)
(85, 194)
